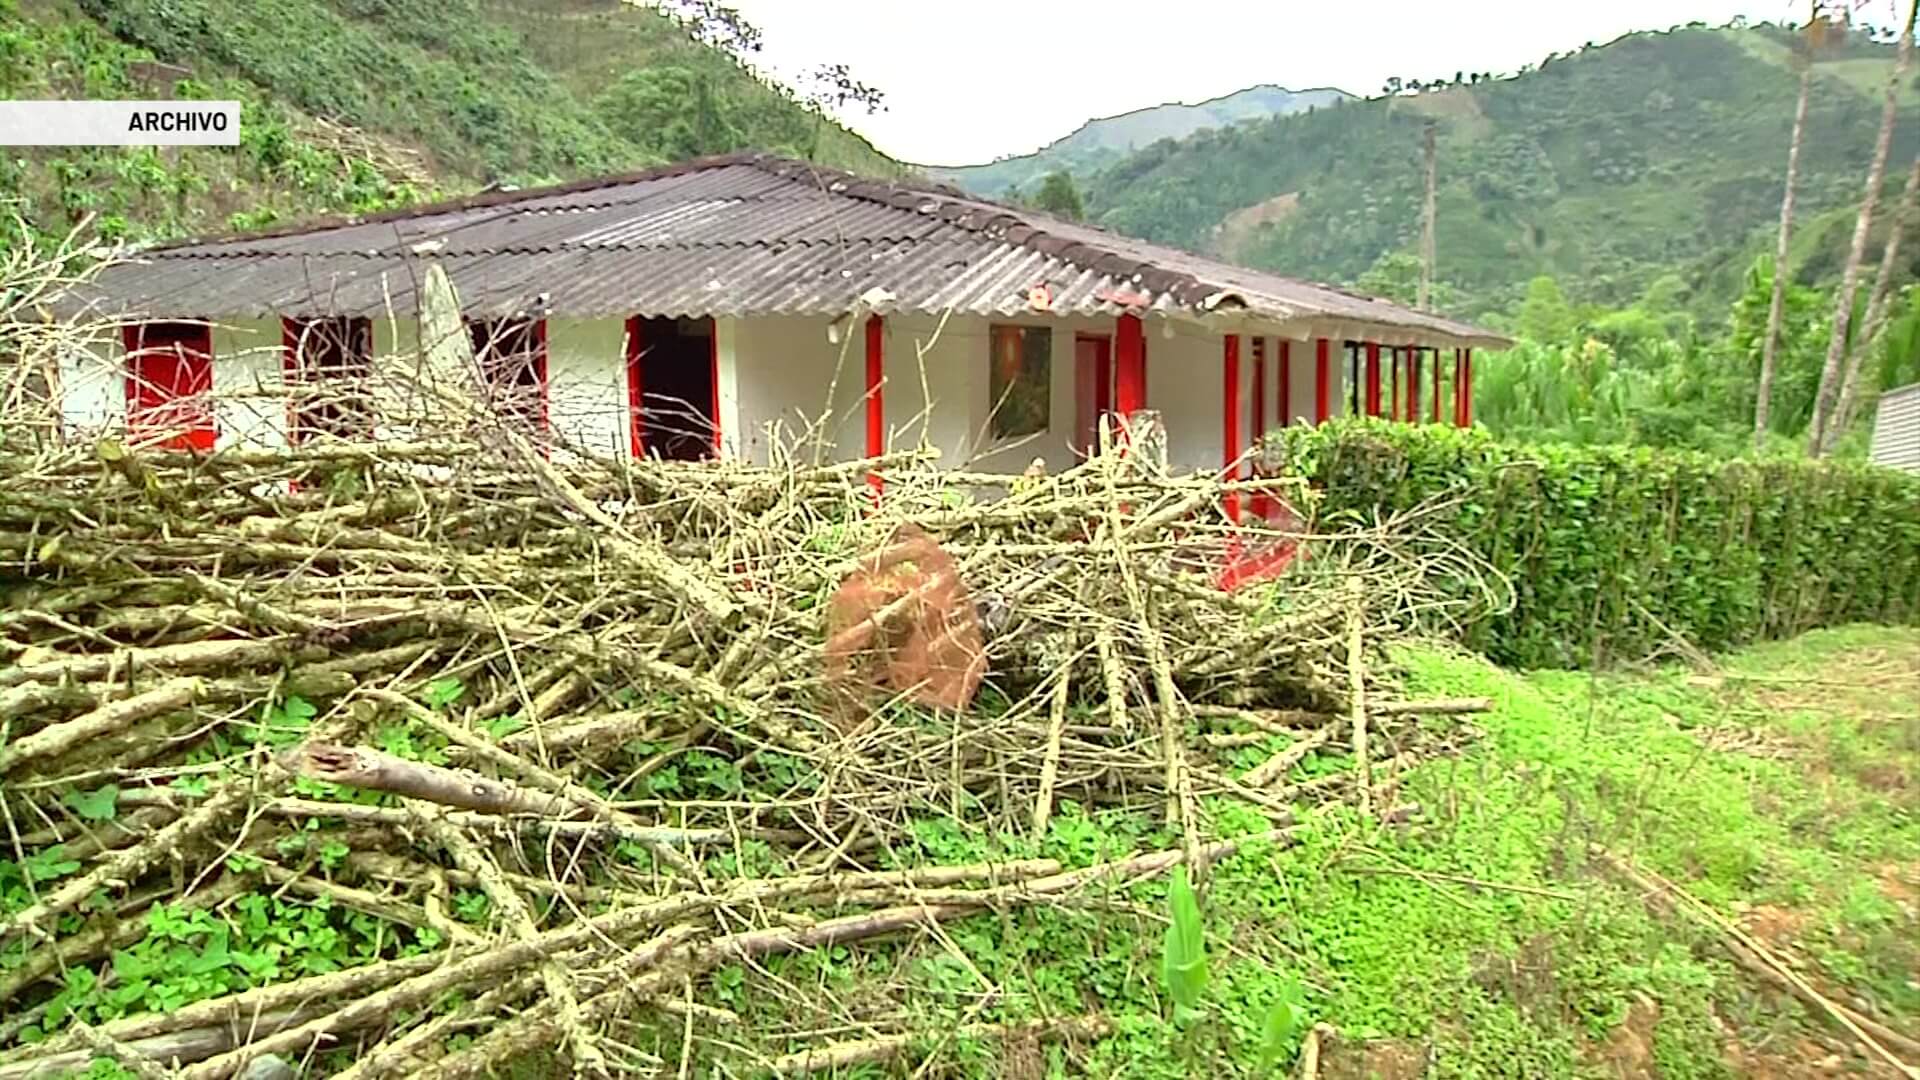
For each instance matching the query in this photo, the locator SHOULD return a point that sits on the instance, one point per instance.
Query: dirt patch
(1900, 883)
(1022, 1058)
(1458, 106)
(1628, 1051)
(1231, 236)
(1773, 924)
(1373, 1059)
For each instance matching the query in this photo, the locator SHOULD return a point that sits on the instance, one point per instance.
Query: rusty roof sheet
(741, 235)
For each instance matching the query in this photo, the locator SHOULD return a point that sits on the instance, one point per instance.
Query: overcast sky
(966, 82)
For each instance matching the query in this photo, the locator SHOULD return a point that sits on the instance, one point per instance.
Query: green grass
(1501, 980)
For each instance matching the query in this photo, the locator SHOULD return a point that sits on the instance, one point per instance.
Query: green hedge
(1605, 546)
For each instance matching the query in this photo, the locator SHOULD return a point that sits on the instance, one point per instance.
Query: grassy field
(1486, 938)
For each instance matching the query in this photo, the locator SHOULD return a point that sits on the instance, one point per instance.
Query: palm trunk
(1823, 403)
(1763, 401)
(1877, 304)
(1426, 225)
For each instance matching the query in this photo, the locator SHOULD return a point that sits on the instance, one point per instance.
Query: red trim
(876, 368)
(636, 387)
(1230, 418)
(1413, 385)
(713, 381)
(1321, 387)
(1373, 378)
(1130, 366)
(1466, 388)
(1286, 383)
(169, 383)
(876, 403)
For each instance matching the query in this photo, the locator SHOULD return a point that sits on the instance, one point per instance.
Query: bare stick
(1357, 695)
(1050, 768)
(842, 1055)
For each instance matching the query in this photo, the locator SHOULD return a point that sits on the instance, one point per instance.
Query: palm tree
(1763, 400)
(1823, 402)
(1877, 304)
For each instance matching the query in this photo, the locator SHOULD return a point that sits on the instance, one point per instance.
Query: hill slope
(360, 104)
(1659, 153)
(1101, 142)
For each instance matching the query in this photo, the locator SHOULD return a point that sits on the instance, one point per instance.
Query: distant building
(1896, 429)
(680, 310)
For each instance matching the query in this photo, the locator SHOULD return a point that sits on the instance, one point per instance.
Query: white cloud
(969, 81)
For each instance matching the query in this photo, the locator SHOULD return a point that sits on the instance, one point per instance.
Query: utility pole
(1426, 225)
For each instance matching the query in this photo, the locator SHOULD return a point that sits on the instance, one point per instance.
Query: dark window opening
(1019, 380)
(327, 363)
(170, 385)
(512, 354)
(672, 388)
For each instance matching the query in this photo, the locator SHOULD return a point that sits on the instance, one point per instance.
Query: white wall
(786, 372)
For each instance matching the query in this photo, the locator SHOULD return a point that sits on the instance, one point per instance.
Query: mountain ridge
(1104, 139)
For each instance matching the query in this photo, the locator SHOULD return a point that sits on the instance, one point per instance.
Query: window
(170, 385)
(1020, 380)
(326, 364)
(512, 354)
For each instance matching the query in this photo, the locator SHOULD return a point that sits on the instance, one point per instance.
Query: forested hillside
(1660, 153)
(1105, 141)
(357, 105)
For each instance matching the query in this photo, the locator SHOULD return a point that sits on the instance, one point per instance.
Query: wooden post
(1230, 419)
(636, 386)
(876, 403)
(1373, 378)
(1321, 389)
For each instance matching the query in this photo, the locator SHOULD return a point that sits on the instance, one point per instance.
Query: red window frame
(169, 382)
(512, 354)
(332, 350)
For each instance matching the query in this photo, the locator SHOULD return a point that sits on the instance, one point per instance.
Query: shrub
(1615, 552)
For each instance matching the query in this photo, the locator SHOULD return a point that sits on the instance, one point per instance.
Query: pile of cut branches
(548, 738)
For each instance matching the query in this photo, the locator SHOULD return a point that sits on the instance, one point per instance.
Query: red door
(1092, 387)
(170, 385)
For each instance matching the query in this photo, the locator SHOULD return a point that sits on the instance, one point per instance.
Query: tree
(1824, 400)
(1059, 197)
(1863, 341)
(1763, 396)
(1545, 316)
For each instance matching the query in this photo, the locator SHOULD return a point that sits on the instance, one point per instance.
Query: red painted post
(1466, 389)
(1230, 419)
(636, 388)
(876, 402)
(1413, 385)
(1321, 389)
(1373, 378)
(1130, 367)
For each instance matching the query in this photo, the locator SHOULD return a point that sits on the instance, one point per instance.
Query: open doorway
(672, 380)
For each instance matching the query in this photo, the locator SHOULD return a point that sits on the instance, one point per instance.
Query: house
(682, 311)
(1896, 429)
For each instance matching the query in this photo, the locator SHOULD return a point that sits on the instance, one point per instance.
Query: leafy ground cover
(1485, 939)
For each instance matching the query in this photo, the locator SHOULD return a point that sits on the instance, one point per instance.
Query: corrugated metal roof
(1896, 429)
(736, 236)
